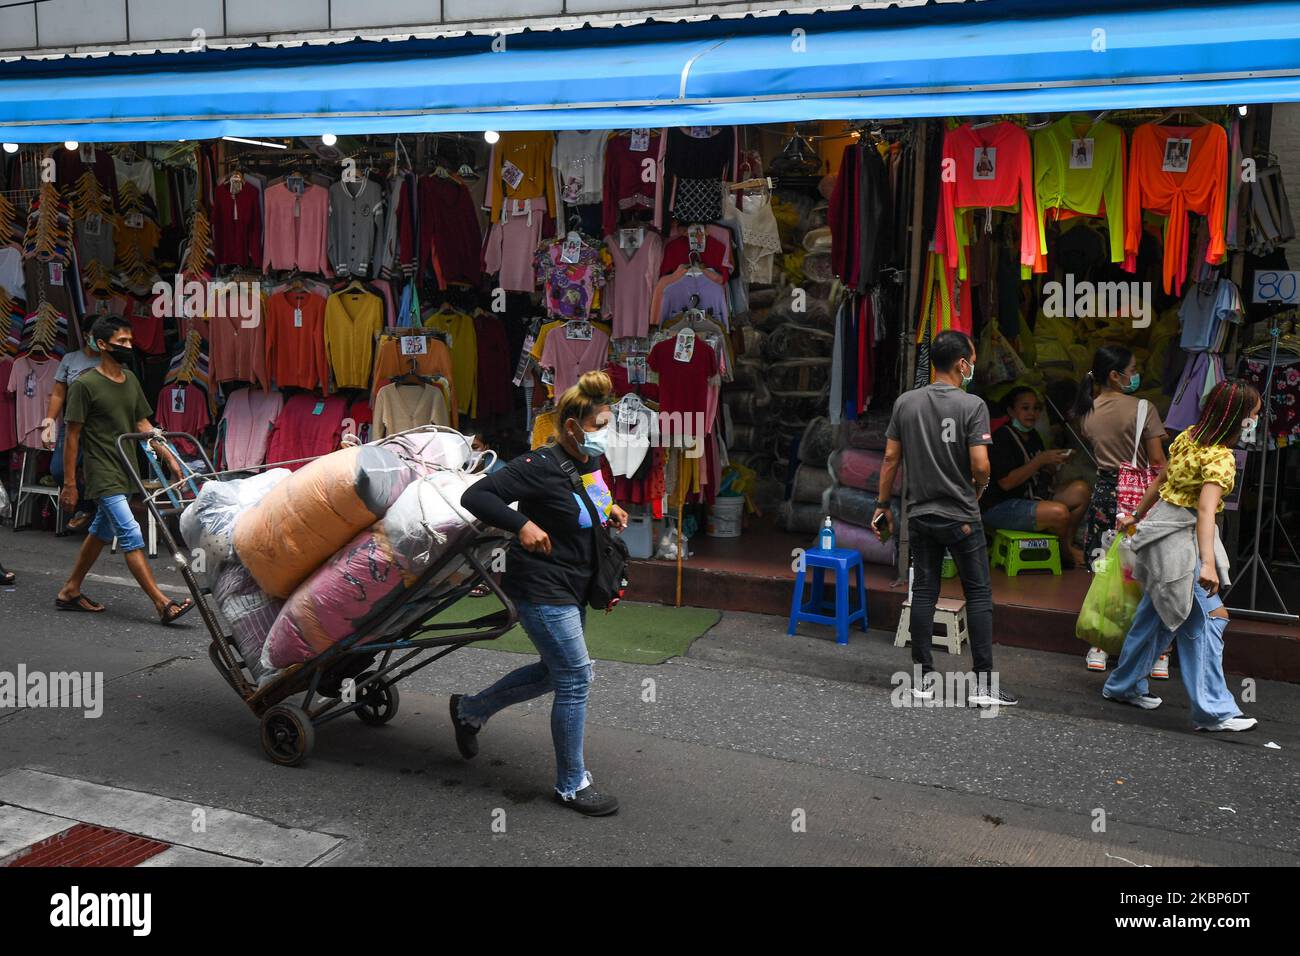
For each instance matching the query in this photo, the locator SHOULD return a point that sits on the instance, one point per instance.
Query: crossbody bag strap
(580, 489)
(1024, 451)
(1141, 426)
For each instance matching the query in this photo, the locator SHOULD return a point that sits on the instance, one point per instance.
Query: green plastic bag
(1110, 605)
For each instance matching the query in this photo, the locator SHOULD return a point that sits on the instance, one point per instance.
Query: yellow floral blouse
(1191, 466)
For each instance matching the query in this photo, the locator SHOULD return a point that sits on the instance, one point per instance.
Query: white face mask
(1249, 427)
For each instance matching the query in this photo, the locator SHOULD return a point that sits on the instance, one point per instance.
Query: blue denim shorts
(113, 519)
(1014, 514)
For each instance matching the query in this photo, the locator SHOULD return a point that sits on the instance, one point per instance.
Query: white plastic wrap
(208, 522)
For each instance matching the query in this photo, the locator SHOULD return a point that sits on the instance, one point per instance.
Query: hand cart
(346, 678)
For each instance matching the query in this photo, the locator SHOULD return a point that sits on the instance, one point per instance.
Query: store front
(736, 219)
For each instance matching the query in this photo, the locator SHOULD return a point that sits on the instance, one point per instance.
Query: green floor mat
(633, 633)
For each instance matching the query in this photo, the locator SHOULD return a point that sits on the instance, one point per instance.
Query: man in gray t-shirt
(71, 367)
(943, 435)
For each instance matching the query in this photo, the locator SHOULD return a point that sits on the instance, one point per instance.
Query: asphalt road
(756, 748)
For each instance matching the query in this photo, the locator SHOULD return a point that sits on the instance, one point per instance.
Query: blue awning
(1001, 56)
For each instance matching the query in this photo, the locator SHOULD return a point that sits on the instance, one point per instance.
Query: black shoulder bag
(609, 580)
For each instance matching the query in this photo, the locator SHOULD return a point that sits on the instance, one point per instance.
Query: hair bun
(596, 384)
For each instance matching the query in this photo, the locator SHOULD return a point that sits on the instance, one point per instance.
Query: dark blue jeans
(929, 536)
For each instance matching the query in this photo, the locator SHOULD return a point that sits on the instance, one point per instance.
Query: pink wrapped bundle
(859, 468)
(374, 569)
(865, 542)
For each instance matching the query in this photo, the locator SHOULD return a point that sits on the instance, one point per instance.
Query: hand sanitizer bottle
(827, 542)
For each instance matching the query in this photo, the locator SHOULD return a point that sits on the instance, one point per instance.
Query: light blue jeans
(1200, 658)
(565, 668)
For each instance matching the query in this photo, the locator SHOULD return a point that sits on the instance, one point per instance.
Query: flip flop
(166, 618)
(78, 521)
(7, 578)
(80, 603)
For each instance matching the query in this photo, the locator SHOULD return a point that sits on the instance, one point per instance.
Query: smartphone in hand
(882, 527)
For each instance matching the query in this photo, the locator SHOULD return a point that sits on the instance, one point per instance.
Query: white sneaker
(1233, 723)
(926, 689)
(1096, 659)
(1161, 669)
(1147, 702)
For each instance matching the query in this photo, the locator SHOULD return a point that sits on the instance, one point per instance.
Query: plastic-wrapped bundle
(307, 518)
(865, 542)
(742, 438)
(851, 505)
(817, 442)
(800, 377)
(208, 522)
(250, 612)
(744, 406)
(860, 469)
(746, 373)
(375, 569)
(793, 340)
(800, 517)
(810, 484)
(869, 431)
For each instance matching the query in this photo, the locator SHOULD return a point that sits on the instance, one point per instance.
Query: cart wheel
(287, 734)
(378, 702)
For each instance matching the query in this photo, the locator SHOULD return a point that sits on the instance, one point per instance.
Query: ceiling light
(71, 144)
(11, 147)
(329, 139)
(491, 136)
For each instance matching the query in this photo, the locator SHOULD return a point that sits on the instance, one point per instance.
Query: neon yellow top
(1072, 173)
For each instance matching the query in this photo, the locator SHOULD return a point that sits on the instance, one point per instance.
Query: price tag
(636, 369)
(93, 224)
(297, 318)
(578, 330)
(1081, 151)
(87, 153)
(985, 163)
(631, 238)
(640, 141)
(297, 207)
(571, 251)
(700, 132)
(626, 413)
(56, 273)
(415, 345)
(1274, 286)
(101, 307)
(320, 407)
(178, 401)
(133, 220)
(572, 189)
(511, 174)
(684, 349)
(696, 236)
(548, 376)
(29, 385)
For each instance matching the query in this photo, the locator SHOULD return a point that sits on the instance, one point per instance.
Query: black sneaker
(466, 735)
(591, 802)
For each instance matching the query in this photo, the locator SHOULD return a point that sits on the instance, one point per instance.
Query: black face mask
(121, 354)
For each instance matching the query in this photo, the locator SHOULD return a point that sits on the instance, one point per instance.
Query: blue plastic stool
(841, 561)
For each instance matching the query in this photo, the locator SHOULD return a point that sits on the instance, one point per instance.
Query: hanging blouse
(1079, 167)
(1173, 171)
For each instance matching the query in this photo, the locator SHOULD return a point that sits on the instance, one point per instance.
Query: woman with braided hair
(1180, 562)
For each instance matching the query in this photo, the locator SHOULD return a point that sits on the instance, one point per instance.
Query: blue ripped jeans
(565, 668)
(1200, 658)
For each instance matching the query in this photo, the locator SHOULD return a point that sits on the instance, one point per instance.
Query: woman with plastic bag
(1108, 416)
(548, 574)
(1181, 564)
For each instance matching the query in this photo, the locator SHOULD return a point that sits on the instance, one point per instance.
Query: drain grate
(87, 845)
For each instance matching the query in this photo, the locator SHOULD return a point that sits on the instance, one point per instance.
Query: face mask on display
(1134, 381)
(1249, 427)
(594, 444)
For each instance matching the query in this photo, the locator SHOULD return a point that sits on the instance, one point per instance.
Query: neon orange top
(1191, 175)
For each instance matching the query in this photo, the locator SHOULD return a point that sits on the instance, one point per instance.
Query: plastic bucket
(724, 517)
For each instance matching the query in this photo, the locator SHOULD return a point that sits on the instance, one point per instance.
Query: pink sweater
(294, 229)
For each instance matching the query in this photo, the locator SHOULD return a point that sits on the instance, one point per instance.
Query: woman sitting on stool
(1020, 495)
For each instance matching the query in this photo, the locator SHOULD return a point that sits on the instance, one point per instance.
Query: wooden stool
(1011, 550)
(949, 612)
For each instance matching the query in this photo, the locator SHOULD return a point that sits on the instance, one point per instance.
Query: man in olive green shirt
(104, 403)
